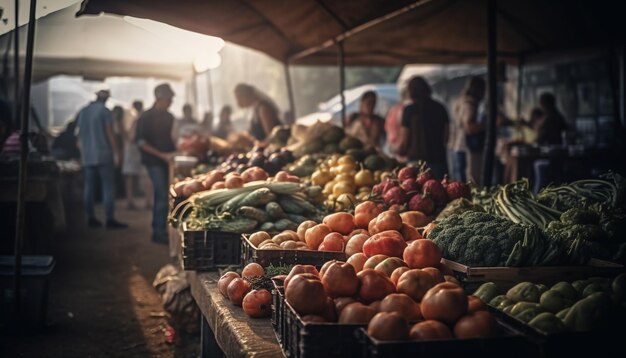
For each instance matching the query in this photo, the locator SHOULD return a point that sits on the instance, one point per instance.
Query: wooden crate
(507, 277)
(249, 253)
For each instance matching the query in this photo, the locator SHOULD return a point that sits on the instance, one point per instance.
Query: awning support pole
(490, 142)
(292, 104)
(342, 81)
(209, 81)
(21, 189)
(16, 65)
(520, 85)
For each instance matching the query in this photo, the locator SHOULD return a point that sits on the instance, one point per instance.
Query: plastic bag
(183, 313)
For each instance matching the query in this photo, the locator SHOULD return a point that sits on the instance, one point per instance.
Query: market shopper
(132, 168)
(473, 128)
(424, 128)
(393, 125)
(224, 125)
(100, 156)
(65, 145)
(154, 138)
(264, 110)
(187, 125)
(206, 126)
(366, 125)
(549, 128)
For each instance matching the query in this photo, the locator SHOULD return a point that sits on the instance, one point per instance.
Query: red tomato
(388, 326)
(374, 286)
(257, 303)
(480, 324)
(415, 283)
(422, 253)
(446, 302)
(428, 330)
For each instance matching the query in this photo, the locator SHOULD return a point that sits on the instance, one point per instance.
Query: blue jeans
(160, 181)
(542, 174)
(460, 165)
(106, 172)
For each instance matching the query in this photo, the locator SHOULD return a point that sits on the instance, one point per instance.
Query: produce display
(413, 304)
(270, 205)
(251, 289)
(583, 305)
(318, 189)
(415, 188)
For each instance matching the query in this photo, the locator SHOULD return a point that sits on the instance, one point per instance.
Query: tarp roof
(103, 46)
(379, 32)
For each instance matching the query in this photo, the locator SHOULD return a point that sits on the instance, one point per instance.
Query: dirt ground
(102, 303)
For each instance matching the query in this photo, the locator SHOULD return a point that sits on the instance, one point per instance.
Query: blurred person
(366, 125)
(65, 145)
(393, 125)
(264, 110)
(224, 125)
(154, 138)
(289, 117)
(186, 125)
(206, 126)
(132, 168)
(550, 129)
(472, 125)
(424, 128)
(552, 124)
(119, 130)
(100, 155)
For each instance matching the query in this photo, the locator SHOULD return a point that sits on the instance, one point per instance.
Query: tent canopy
(103, 46)
(385, 32)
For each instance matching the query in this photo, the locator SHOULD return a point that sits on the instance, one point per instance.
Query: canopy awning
(385, 32)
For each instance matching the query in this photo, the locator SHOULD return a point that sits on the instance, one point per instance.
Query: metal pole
(292, 105)
(21, 189)
(210, 89)
(16, 64)
(490, 142)
(520, 85)
(342, 81)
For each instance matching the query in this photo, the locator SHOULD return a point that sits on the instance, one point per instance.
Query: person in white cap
(154, 137)
(100, 156)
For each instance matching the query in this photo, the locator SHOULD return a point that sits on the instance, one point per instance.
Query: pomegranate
(394, 195)
(408, 172)
(457, 189)
(424, 176)
(422, 203)
(436, 191)
(409, 185)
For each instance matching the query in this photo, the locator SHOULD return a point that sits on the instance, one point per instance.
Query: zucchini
(285, 224)
(239, 225)
(274, 210)
(258, 197)
(268, 227)
(253, 213)
(233, 203)
(298, 219)
(295, 205)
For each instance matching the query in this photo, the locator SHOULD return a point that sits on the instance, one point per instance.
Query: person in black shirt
(264, 111)
(424, 128)
(154, 138)
(65, 146)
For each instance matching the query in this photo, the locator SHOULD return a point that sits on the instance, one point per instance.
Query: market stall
(419, 263)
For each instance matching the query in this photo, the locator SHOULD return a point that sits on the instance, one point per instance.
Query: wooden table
(226, 330)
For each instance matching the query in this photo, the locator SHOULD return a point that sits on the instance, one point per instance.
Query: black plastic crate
(609, 340)
(510, 343)
(208, 250)
(249, 254)
(312, 339)
(278, 310)
(36, 272)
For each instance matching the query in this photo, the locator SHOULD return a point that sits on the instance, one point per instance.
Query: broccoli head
(580, 216)
(481, 250)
